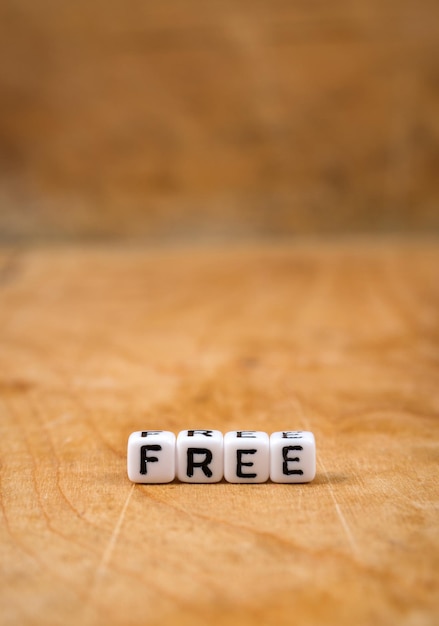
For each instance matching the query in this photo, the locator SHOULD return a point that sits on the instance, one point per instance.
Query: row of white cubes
(206, 456)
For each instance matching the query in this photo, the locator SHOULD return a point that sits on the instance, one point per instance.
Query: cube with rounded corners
(200, 456)
(246, 456)
(151, 456)
(292, 456)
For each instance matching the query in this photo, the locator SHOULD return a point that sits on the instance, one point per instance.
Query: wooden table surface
(340, 338)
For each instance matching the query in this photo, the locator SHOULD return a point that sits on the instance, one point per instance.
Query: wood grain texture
(186, 119)
(340, 338)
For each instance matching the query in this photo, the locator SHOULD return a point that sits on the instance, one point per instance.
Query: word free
(208, 456)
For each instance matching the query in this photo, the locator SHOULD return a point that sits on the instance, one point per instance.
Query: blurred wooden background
(172, 120)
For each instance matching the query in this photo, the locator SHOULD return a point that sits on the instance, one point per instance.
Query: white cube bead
(151, 456)
(292, 456)
(200, 456)
(246, 456)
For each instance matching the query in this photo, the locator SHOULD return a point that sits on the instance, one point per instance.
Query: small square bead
(246, 456)
(200, 456)
(151, 456)
(292, 456)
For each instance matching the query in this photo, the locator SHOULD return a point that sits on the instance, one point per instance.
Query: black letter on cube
(144, 459)
(287, 459)
(292, 434)
(206, 433)
(240, 463)
(191, 464)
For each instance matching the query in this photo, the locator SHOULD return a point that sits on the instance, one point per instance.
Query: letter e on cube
(292, 456)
